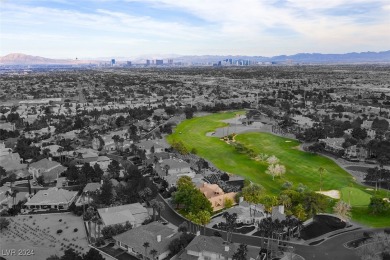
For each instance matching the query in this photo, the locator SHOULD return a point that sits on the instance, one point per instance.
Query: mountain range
(305, 58)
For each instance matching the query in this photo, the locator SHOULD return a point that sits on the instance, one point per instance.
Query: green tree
(204, 218)
(98, 173)
(106, 195)
(299, 212)
(70, 254)
(228, 203)
(114, 169)
(3, 172)
(342, 210)
(153, 252)
(146, 245)
(4, 223)
(252, 193)
(378, 205)
(241, 252)
(93, 254)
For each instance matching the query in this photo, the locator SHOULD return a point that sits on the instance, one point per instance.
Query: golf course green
(301, 167)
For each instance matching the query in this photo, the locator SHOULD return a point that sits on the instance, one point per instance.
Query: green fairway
(301, 167)
(355, 197)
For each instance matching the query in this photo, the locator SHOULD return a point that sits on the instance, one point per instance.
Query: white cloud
(254, 27)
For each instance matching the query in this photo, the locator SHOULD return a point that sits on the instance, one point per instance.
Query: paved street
(331, 248)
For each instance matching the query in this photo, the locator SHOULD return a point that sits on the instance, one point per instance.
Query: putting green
(355, 197)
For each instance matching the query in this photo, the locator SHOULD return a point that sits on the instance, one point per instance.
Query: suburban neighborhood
(263, 163)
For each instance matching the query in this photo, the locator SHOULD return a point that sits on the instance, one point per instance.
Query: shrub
(75, 230)
(387, 231)
(59, 231)
(60, 220)
(367, 234)
(100, 242)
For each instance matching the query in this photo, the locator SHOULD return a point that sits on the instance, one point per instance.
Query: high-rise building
(159, 62)
(147, 62)
(129, 63)
(170, 61)
(112, 62)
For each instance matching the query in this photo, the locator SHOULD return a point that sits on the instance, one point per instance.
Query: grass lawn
(301, 167)
(357, 197)
(39, 233)
(363, 216)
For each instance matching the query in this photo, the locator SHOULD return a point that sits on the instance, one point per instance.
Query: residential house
(248, 213)
(216, 195)
(4, 200)
(134, 213)
(85, 155)
(355, 152)
(333, 145)
(47, 168)
(11, 162)
(172, 169)
(278, 213)
(89, 189)
(102, 161)
(7, 126)
(158, 236)
(366, 124)
(214, 248)
(52, 198)
(152, 146)
(302, 122)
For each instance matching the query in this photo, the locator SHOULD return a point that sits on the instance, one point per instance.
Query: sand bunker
(335, 194)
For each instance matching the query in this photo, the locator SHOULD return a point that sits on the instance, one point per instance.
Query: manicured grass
(357, 197)
(363, 216)
(302, 167)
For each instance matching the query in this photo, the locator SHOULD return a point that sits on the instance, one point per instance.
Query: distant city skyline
(131, 28)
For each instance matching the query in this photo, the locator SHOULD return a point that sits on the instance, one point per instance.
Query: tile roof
(217, 246)
(136, 237)
(52, 175)
(92, 186)
(134, 213)
(175, 163)
(52, 196)
(44, 164)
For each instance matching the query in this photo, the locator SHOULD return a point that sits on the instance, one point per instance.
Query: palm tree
(60, 150)
(285, 200)
(89, 228)
(13, 195)
(153, 252)
(166, 168)
(230, 224)
(146, 245)
(94, 220)
(321, 171)
(153, 203)
(8, 194)
(116, 140)
(99, 223)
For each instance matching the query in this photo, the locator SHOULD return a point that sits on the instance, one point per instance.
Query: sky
(162, 28)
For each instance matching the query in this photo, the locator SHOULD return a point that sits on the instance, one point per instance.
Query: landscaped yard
(301, 167)
(39, 233)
